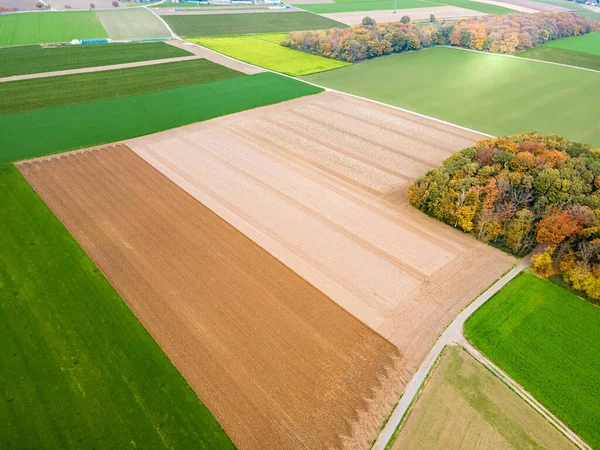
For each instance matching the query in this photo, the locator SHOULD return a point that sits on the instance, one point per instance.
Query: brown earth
(320, 183)
(278, 363)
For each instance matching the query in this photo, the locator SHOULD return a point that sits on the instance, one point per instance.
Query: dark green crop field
(35, 59)
(78, 369)
(54, 92)
(546, 338)
(37, 133)
(562, 56)
(232, 24)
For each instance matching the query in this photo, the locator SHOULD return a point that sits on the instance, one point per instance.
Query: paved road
(454, 335)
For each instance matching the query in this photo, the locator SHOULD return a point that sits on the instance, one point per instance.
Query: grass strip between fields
(546, 338)
(37, 133)
(561, 56)
(264, 50)
(38, 28)
(78, 369)
(36, 59)
(234, 24)
(54, 92)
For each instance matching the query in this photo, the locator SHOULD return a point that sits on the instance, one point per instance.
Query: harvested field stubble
(277, 363)
(320, 183)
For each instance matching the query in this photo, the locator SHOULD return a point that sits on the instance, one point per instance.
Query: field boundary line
(524, 59)
(58, 73)
(173, 34)
(521, 392)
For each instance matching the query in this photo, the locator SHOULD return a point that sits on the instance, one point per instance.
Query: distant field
(35, 59)
(377, 5)
(546, 338)
(589, 43)
(37, 28)
(54, 92)
(516, 101)
(558, 55)
(37, 133)
(463, 405)
(264, 50)
(564, 4)
(78, 369)
(231, 24)
(132, 23)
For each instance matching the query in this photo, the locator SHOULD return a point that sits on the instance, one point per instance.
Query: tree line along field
(463, 405)
(545, 338)
(66, 90)
(36, 28)
(276, 361)
(78, 369)
(88, 124)
(264, 50)
(37, 59)
(517, 100)
(234, 24)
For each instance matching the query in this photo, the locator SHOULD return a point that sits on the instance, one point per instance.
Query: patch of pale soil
(415, 14)
(320, 183)
(278, 364)
(202, 52)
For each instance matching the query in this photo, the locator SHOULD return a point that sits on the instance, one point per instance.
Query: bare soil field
(464, 406)
(415, 14)
(320, 183)
(530, 4)
(277, 363)
(531, 8)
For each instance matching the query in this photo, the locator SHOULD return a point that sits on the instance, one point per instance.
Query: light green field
(588, 43)
(494, 94)
(233, 24)
(264, 50)
(377, 5)
(464, 406)
(78, 370)
(546, 338)
(571, 5)
(132, 23)
(44, 27)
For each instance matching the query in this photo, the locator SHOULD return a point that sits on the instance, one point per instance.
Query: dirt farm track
(274, 257)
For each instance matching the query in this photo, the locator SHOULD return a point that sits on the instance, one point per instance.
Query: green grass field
(377, 5)
(233, 24)
(264, 50)
(54, 92)
(491, 93)
(78, 369)
(36, 59)
(38, 28)
(37, 133)
(588, 43)
(546, 338)
(558, 55)
(132, 23)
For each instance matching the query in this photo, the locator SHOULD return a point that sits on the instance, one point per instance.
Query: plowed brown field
(320, 183)
(278, 363)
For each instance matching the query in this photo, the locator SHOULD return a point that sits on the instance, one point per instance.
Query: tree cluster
(517, 32)
(502, 34)
(364, 41)
(524, 192)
